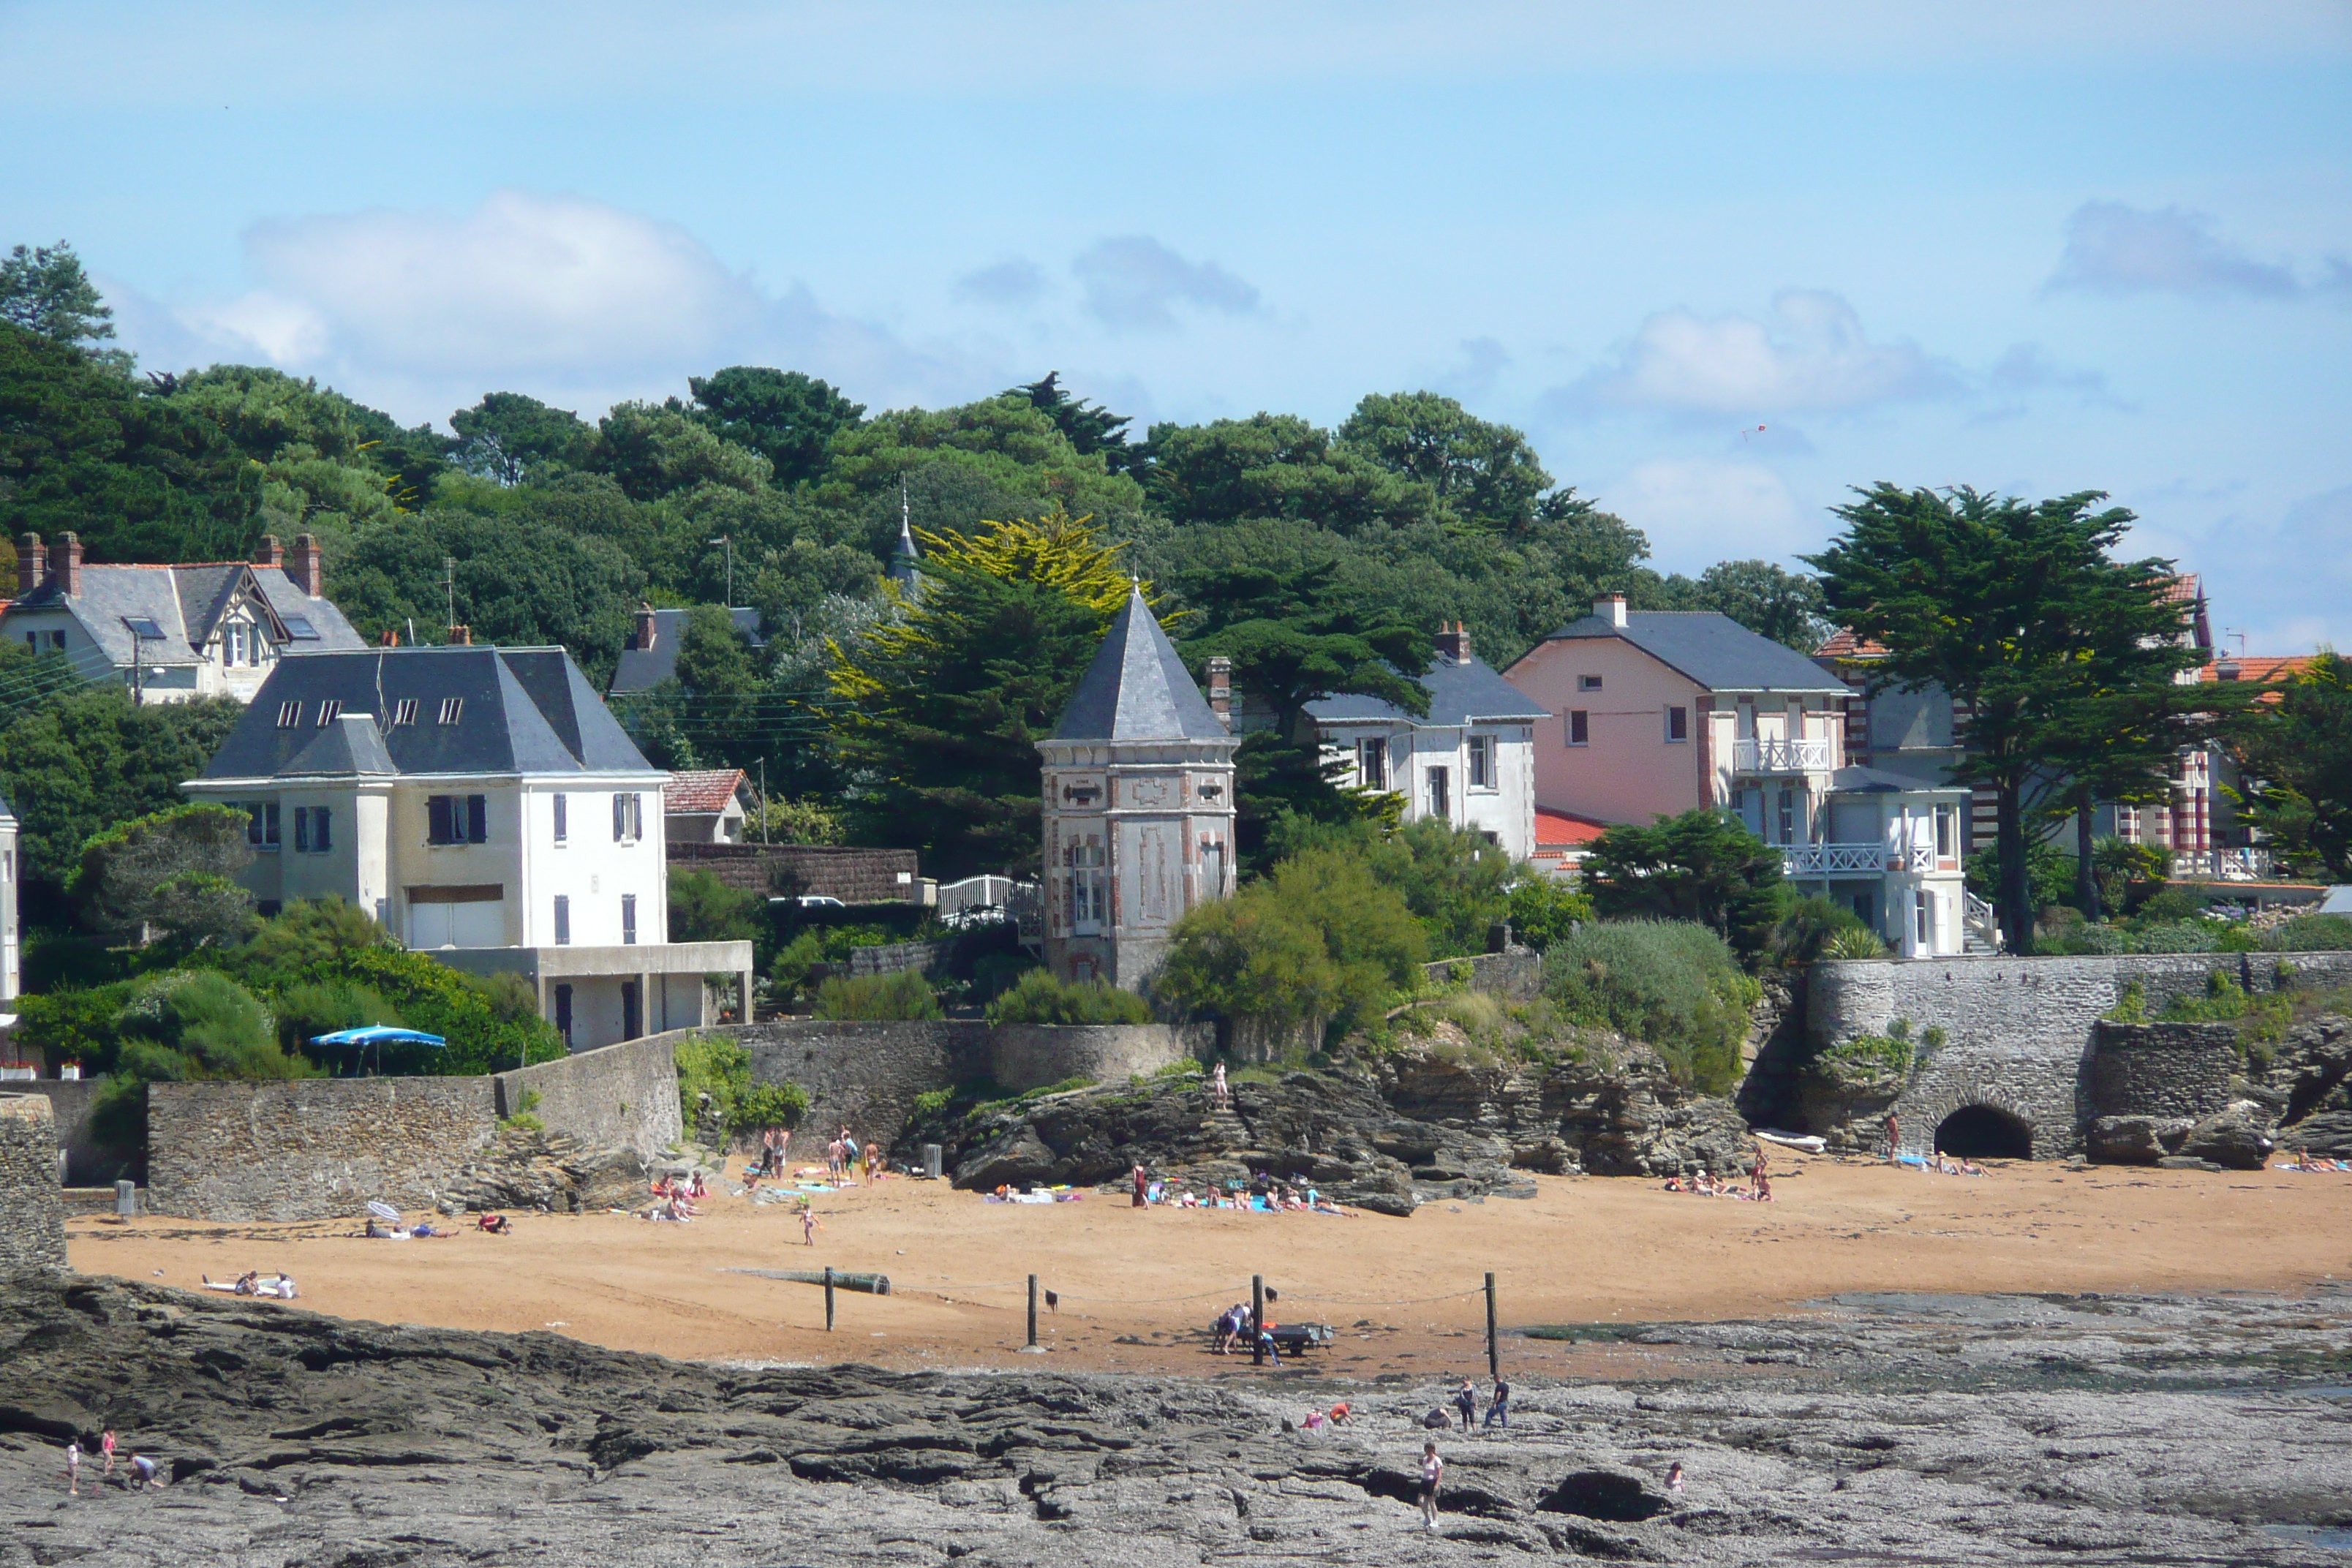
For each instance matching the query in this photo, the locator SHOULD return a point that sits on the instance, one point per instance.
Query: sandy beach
(1136, 1286)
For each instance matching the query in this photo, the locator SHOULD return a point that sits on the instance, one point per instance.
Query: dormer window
(329, 711)
(452, 709)
(299, 628)
(403, 712)
(288, 715)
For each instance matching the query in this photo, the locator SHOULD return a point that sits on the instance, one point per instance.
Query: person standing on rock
(142, 1472)
(1675, 1478)
(1433, 1470)
(1465, 1400)
(1893, 1137)
(1500, 1410)
(106, 1447)
(73, 1467)
(1217, 1089)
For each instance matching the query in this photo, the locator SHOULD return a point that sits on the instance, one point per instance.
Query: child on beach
(1433, 1470)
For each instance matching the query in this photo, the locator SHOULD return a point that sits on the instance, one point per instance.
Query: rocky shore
(1387, 1133)
(1984, 1430)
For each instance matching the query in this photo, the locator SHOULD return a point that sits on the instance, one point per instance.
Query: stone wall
(1516, 975)
(896, 957)
(32, 1219)
(74, 1103)
(2017, 1031)
(623, 1096)
(311, 1148)
(863, 1076)
(2162, 1070)
(1023, 1057)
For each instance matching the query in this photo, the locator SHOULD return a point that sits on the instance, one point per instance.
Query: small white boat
(1808, 1144)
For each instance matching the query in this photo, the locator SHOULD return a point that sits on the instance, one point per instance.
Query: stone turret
(1139, 818)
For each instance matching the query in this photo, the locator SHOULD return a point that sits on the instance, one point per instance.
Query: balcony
(1871, 860)
(2222, 865)
(1763, 756)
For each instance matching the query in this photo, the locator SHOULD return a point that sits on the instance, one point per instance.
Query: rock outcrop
(1386, 1134)
(548, 1173)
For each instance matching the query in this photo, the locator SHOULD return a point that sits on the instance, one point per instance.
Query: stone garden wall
(32, 1218)
(310, 1148)
(2162, 1070)
(623, 1096)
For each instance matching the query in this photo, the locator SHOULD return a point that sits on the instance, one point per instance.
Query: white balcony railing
(2227, 865)
(1765, 755)
(1854, 859)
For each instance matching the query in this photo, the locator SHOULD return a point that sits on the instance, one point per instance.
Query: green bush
(2085, 939)
(2311, 933)
(873, 998)
(765, 1105)
(1544, 909)
(2048, 874)
(1856, 940)
(1038, 998)
(1454, 882)
(1673, 983)
(720, 1067)
(2177, 936)
(199, 1024)
(315, 1007)
(704, 909)
(1807, 927)
(1702, 866)
(2168, 907)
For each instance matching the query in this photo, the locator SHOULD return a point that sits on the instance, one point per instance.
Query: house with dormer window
(171, 633)
(484, 807)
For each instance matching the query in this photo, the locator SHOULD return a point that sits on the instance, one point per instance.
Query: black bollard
(1257, 1320)
(828, 1297)
(1494, 1352)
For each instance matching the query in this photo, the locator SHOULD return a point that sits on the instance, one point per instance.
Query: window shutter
(477, 819)
(620, 818)
(562, 827)
(303, 829)
(437, 820)
(322, 832)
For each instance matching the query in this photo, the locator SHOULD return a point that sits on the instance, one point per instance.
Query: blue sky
(2036, 248)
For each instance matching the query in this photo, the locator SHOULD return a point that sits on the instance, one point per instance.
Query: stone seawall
(74, 1104)
(863, 1076)
(32, 1216)
(623, 1096)
(1023, 1057)
(311, 1148)
(2018, 1032)
(1516, 975)
(2162, 1070)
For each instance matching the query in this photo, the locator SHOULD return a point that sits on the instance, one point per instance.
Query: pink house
(1653, 714)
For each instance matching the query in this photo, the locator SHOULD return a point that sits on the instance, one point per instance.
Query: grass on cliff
(1673, 984)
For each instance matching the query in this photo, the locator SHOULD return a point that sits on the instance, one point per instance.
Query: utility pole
(1493, 1354)
(763, 800)
(1257, 1320)
(138, 675)
(449, 584)
(729, 541)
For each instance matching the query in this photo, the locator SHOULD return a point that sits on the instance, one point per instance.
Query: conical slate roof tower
(1138, 807)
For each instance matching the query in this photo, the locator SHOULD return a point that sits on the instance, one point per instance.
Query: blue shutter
(477, 819)
(322, 834)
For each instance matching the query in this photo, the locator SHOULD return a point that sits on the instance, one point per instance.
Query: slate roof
(1713, 649)
(706, 793)
(520, 710)
(187, 602)
(642, 669)
(1469, 692)
(1137, 689)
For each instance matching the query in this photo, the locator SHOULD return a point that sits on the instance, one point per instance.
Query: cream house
(1653, 713)
(171, 633)
(484, 807)
(1469, 761)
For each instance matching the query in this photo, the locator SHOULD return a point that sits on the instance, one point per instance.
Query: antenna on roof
(449, 583)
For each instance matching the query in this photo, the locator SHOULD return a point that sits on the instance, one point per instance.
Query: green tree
(2295, 752)
(170, 872)
(704, 909)
(1484, 475)
(658, 449)
(1544, 909)
(942, 705)
(1089, 427)
(1278, 466)
(46, 291)
(1675, 985)
(714, 658)
(1038, 998)
(198, 1024)
(2016, 610)
(509, 438)
(786, 417)
(1701, 866)
(85, 758)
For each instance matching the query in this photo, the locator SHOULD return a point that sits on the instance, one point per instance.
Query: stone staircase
(1979, 928)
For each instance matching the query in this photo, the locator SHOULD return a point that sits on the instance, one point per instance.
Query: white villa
(484, 807)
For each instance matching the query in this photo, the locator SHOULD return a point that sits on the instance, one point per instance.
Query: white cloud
(2112, 248)
(1132, 281)
(1698, 511)
(1010, 284)
(1810, 355)
(570, 298)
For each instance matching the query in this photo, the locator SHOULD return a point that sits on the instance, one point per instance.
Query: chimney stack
(2227, 669)
(268, 552)
(302, 564)
(461, 637)
(1454, 643)
(390, 640)
(32, 564)
(68, 564)
(1610, 607)
(645, 625)
(1221, 689)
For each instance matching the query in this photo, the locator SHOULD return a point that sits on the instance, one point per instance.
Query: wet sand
(1135, 1286)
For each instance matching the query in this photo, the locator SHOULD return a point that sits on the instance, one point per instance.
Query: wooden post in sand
(1033, 1311)
(1257, 1320)
(828, 1297)
(1494, 1356)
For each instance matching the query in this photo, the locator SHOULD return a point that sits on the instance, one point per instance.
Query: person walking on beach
(1501, 1409)
(1893, 1137)
(106, 1447)
(1465, 1400)
(1142, 1182)
(808, 1227)
(73, 1467)
(1433, 1470)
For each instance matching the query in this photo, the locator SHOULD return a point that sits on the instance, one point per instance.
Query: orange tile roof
(1565, 830)
(1843, 644)
(2262, 668)
(697, 793)
(2180, 589)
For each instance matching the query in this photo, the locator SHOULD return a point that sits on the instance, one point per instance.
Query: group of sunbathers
(1757, 1189)
(675, 1198)
(253, 1282)
(2305, 1159)
(379, 1230)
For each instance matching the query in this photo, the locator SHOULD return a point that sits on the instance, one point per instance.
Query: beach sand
(1136, 1286)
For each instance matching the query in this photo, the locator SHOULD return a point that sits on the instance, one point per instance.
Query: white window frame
(403, 713)
(1373, 762)
(452, 709)
(1576, 719)
(1677, 710)
(1588, 683)
(290, 715)
(1479, 769)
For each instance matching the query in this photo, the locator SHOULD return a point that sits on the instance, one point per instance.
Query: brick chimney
(303, 565)
(644, 629)
(68, 564)
(1221, 689)
(267, 553)
(1610, 607)
(32, 562)
(1454, 643)
(390, 640)
(461, 637)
